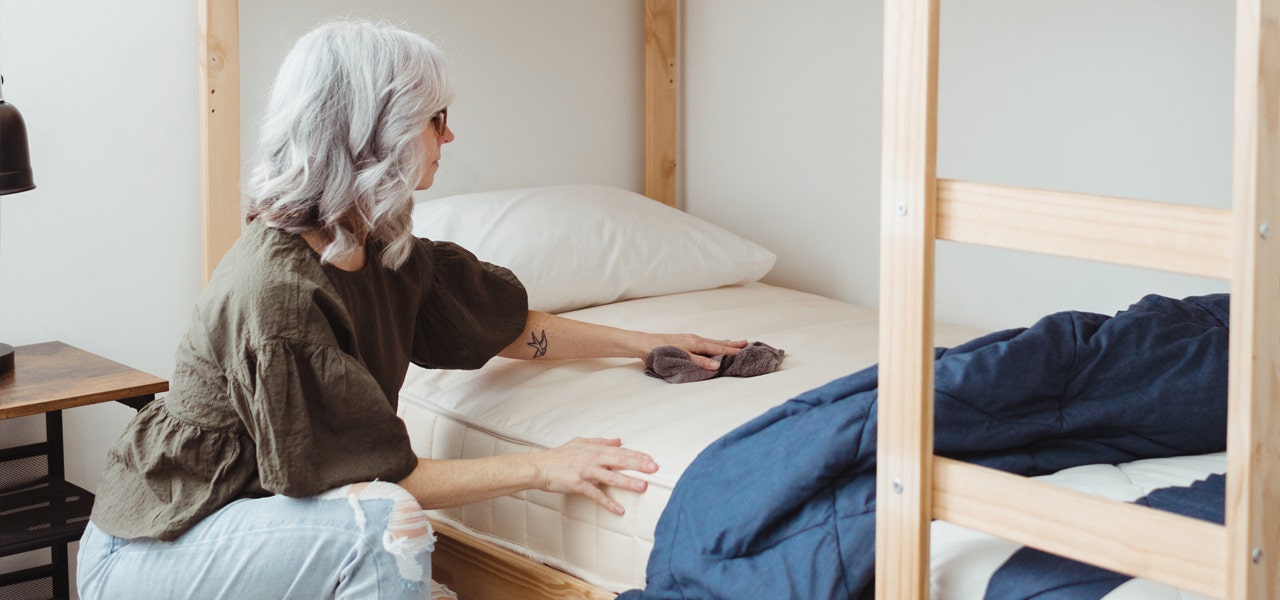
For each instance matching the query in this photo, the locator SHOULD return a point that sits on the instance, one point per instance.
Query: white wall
(1115, 97)
(104, 253)
(548, 92)
(781, 108)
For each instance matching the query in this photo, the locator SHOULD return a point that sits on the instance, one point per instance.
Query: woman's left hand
(701, 349)
(584, 465)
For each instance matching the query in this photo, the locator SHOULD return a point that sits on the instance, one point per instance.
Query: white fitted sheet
(512, 406)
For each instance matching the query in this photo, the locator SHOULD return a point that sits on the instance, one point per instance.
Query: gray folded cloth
(675, 366)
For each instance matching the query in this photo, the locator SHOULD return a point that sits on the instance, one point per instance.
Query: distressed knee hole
(407, 535)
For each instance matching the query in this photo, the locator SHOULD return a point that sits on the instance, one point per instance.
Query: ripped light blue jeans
(366, 540)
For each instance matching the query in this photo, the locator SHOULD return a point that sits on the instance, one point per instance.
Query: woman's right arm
(581, 466)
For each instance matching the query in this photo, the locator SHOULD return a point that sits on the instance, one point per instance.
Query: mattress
(513, 406)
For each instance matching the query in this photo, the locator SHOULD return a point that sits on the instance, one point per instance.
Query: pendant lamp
(15, 176)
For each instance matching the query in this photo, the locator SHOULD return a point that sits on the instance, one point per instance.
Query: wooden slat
(1155, 235)
(219, 127)
(661, 23)
(1131, 539)
(1253, 451)
(479, 570)
(905, 408)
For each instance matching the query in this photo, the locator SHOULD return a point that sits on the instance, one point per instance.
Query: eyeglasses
(440, 121)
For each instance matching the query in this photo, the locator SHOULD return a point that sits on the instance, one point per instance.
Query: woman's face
(436, 135)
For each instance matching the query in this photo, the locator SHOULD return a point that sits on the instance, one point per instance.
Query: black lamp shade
(15, 158)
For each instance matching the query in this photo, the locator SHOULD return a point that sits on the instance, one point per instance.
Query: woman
(266, 472)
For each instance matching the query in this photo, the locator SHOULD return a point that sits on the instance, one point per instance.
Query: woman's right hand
(583, 465)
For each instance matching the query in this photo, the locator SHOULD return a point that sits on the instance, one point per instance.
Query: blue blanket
(784, 506)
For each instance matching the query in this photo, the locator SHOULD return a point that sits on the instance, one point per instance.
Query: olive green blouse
(287, 381)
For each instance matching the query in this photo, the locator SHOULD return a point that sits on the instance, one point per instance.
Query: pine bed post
(1253, 451)
(908, 193)
(219, 127)
(661, 24)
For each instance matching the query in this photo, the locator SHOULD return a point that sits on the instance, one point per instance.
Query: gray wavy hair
(341, 148)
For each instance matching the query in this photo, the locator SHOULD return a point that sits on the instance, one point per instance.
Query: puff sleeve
(470, 312)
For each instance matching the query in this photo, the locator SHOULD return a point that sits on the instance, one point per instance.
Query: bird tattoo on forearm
(539, 344)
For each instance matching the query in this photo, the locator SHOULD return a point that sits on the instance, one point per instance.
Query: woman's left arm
(554, 337)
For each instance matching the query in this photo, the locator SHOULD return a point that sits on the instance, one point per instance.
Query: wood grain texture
(1253, 429)
(219, 127)
(1153, 235)
(56, 376)
(480, 570)
(660, 99)
(907, 205)
(1239, 560)
(1127, 538)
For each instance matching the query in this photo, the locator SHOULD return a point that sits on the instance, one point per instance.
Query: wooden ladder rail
(219, 74)
(1238, 561)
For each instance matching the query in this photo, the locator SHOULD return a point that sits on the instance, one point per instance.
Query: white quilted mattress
(512, 406)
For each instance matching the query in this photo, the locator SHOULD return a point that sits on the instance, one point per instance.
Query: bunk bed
(1239, 560)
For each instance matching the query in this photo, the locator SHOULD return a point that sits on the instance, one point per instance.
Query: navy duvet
(784, 506)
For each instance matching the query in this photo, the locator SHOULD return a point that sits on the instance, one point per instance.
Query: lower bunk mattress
(512, 406)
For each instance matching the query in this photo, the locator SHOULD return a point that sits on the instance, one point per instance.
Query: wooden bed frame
(1238, 561)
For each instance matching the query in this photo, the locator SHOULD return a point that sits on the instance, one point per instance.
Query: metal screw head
(897, 486)
(1256, 556)
(1265, 230)
(902, 208)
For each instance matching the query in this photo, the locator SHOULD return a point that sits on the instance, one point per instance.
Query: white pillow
(575, 246)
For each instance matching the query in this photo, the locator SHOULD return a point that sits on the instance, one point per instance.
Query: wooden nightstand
(40, 508)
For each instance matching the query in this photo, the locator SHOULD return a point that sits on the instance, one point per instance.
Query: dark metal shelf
(38, 507)
(52, 512)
